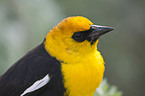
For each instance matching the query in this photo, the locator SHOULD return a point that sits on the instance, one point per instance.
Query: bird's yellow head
(74, 37)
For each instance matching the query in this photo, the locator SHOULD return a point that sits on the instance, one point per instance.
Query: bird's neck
(58, 49)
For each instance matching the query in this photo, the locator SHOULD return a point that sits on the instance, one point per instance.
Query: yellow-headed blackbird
(66, 63)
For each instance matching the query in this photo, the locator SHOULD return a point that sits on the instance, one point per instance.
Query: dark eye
(78, 36)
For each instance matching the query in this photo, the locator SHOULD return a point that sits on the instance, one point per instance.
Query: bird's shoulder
(34, 66)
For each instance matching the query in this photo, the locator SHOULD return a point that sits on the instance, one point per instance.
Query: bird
(66, 63)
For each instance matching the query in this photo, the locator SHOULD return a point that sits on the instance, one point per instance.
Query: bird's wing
(37, 85)
(37, 73)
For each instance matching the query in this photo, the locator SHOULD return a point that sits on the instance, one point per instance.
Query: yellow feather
(83, 65)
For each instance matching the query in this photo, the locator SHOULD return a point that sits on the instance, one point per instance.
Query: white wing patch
(38, 84)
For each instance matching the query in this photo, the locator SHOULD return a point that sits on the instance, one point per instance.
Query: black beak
(97, 31)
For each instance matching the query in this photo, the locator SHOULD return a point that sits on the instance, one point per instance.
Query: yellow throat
(83, 65)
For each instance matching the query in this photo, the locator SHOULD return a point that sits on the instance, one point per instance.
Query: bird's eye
(78, 36)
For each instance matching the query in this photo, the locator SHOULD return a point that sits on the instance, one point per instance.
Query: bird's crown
(74, 24)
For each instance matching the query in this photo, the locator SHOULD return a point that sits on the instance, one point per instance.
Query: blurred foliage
(24, 24)
(107, 90)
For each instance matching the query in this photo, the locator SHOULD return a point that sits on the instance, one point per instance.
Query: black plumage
(35, 65)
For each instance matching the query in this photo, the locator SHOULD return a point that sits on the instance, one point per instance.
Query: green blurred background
(24, 24)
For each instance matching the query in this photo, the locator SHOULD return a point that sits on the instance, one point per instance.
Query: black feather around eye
(78, 36)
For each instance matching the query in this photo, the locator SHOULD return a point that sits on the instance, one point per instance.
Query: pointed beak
(97, 31)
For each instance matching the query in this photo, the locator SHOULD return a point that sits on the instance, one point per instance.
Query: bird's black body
(35, 65)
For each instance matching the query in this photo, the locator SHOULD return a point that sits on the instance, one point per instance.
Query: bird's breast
(82, 79)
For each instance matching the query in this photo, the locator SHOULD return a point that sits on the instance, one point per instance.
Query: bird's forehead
(75, 24)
